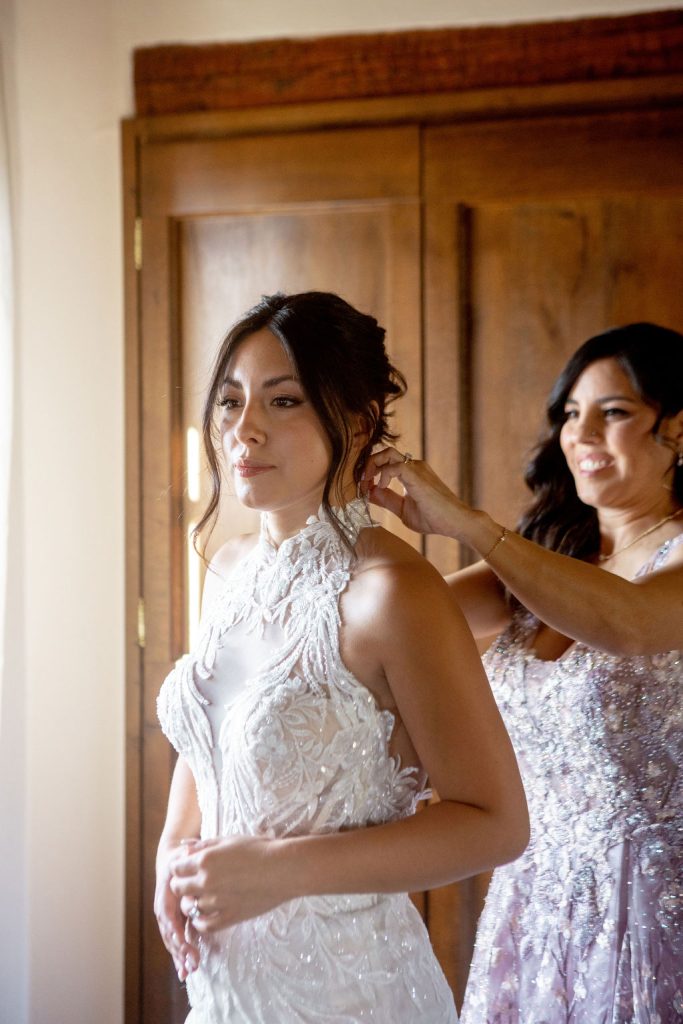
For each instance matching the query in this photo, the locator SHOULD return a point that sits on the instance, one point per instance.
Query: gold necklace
(650, 529)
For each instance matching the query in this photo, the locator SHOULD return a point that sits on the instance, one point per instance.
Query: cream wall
(67, 75)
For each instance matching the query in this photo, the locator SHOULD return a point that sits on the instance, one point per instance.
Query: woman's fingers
(186, 887)
(384, 466)
(386, 498)
(200, 905)
(178, 943)
(387, 464)
(184, 866)
(428, 505)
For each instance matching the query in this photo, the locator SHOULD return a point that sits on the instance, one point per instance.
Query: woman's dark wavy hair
(652, 357)
(341, 361)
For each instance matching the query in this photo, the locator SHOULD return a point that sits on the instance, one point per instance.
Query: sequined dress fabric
(587, 926)
(301, 747)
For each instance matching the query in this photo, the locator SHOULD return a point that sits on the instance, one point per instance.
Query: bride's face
(274, 445)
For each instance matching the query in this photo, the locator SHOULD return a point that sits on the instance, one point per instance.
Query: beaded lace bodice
(302, 745)
(283, 740)
(582, 927)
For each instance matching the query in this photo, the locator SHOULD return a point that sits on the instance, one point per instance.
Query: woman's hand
(428, 506)
(231, 879)
(171, 920)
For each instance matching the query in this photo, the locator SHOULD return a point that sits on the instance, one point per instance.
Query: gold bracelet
(496, 543)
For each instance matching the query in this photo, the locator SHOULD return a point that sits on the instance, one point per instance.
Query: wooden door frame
(179, 79)
(570, 68)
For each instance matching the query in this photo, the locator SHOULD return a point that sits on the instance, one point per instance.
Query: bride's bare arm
(183, 822)
(442, 694)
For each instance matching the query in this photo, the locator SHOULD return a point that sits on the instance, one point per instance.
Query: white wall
(67, 65)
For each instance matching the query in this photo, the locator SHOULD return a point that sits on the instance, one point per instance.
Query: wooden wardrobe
(494, 196)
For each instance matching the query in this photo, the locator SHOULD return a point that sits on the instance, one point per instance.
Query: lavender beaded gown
(587, 926)
(283, 740)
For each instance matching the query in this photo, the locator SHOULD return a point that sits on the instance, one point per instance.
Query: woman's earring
(679, 459)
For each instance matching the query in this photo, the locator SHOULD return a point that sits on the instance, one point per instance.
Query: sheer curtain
(6, 367)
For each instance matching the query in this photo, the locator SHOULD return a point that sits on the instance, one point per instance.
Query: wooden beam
(173, 79)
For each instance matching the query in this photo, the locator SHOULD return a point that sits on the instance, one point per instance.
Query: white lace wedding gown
(283, 740)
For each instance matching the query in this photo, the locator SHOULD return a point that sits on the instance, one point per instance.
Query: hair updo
(343, 367)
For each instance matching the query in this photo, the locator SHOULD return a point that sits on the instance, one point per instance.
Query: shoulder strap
(661, 555)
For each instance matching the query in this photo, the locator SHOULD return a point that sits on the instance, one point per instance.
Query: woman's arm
(481, 597)
(183, 822)
(445, 703)
(579, 600)
(587, 603)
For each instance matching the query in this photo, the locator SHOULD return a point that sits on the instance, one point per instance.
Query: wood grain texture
(173, 79)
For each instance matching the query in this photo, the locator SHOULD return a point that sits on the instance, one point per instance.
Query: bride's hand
(427, 506)
(172, 923)
(221, 882)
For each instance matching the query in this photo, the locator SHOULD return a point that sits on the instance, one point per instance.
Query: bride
(334, 674)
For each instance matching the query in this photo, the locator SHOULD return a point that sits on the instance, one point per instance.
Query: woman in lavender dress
(587, 598)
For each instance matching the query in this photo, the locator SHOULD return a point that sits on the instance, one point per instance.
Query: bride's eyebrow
(271, 382)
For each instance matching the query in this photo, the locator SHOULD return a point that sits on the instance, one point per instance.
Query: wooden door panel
(546, 277)
(574, 156)
(366, 251)
(543, 277)
(182, 178)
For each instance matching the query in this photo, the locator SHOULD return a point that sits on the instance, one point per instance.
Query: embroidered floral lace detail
(587, 926)
(301, 748)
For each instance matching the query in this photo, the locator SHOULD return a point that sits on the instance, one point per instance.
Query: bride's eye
(227, 402)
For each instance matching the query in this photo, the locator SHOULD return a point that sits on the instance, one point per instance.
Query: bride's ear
(365, 425)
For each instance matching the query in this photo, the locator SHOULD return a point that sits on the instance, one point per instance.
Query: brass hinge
(137, 243)
(141, 622)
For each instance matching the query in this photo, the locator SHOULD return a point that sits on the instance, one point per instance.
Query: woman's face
(608, 441)
(274, 444)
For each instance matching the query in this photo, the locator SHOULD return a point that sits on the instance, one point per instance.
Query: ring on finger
(194, 910)
(407, 457)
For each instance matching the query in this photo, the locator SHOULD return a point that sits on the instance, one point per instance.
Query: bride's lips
(247, 468)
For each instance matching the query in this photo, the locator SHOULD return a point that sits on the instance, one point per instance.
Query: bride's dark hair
(341, 361)
(652, 357)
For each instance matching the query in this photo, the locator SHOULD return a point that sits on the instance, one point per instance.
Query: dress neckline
(350, 519)
(662, 552)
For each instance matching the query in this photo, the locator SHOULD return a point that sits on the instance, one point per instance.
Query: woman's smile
(590, 465)
(609, 443)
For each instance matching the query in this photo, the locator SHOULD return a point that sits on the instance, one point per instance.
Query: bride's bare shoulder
(229, 555)
(384, 560)
(395, 593)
